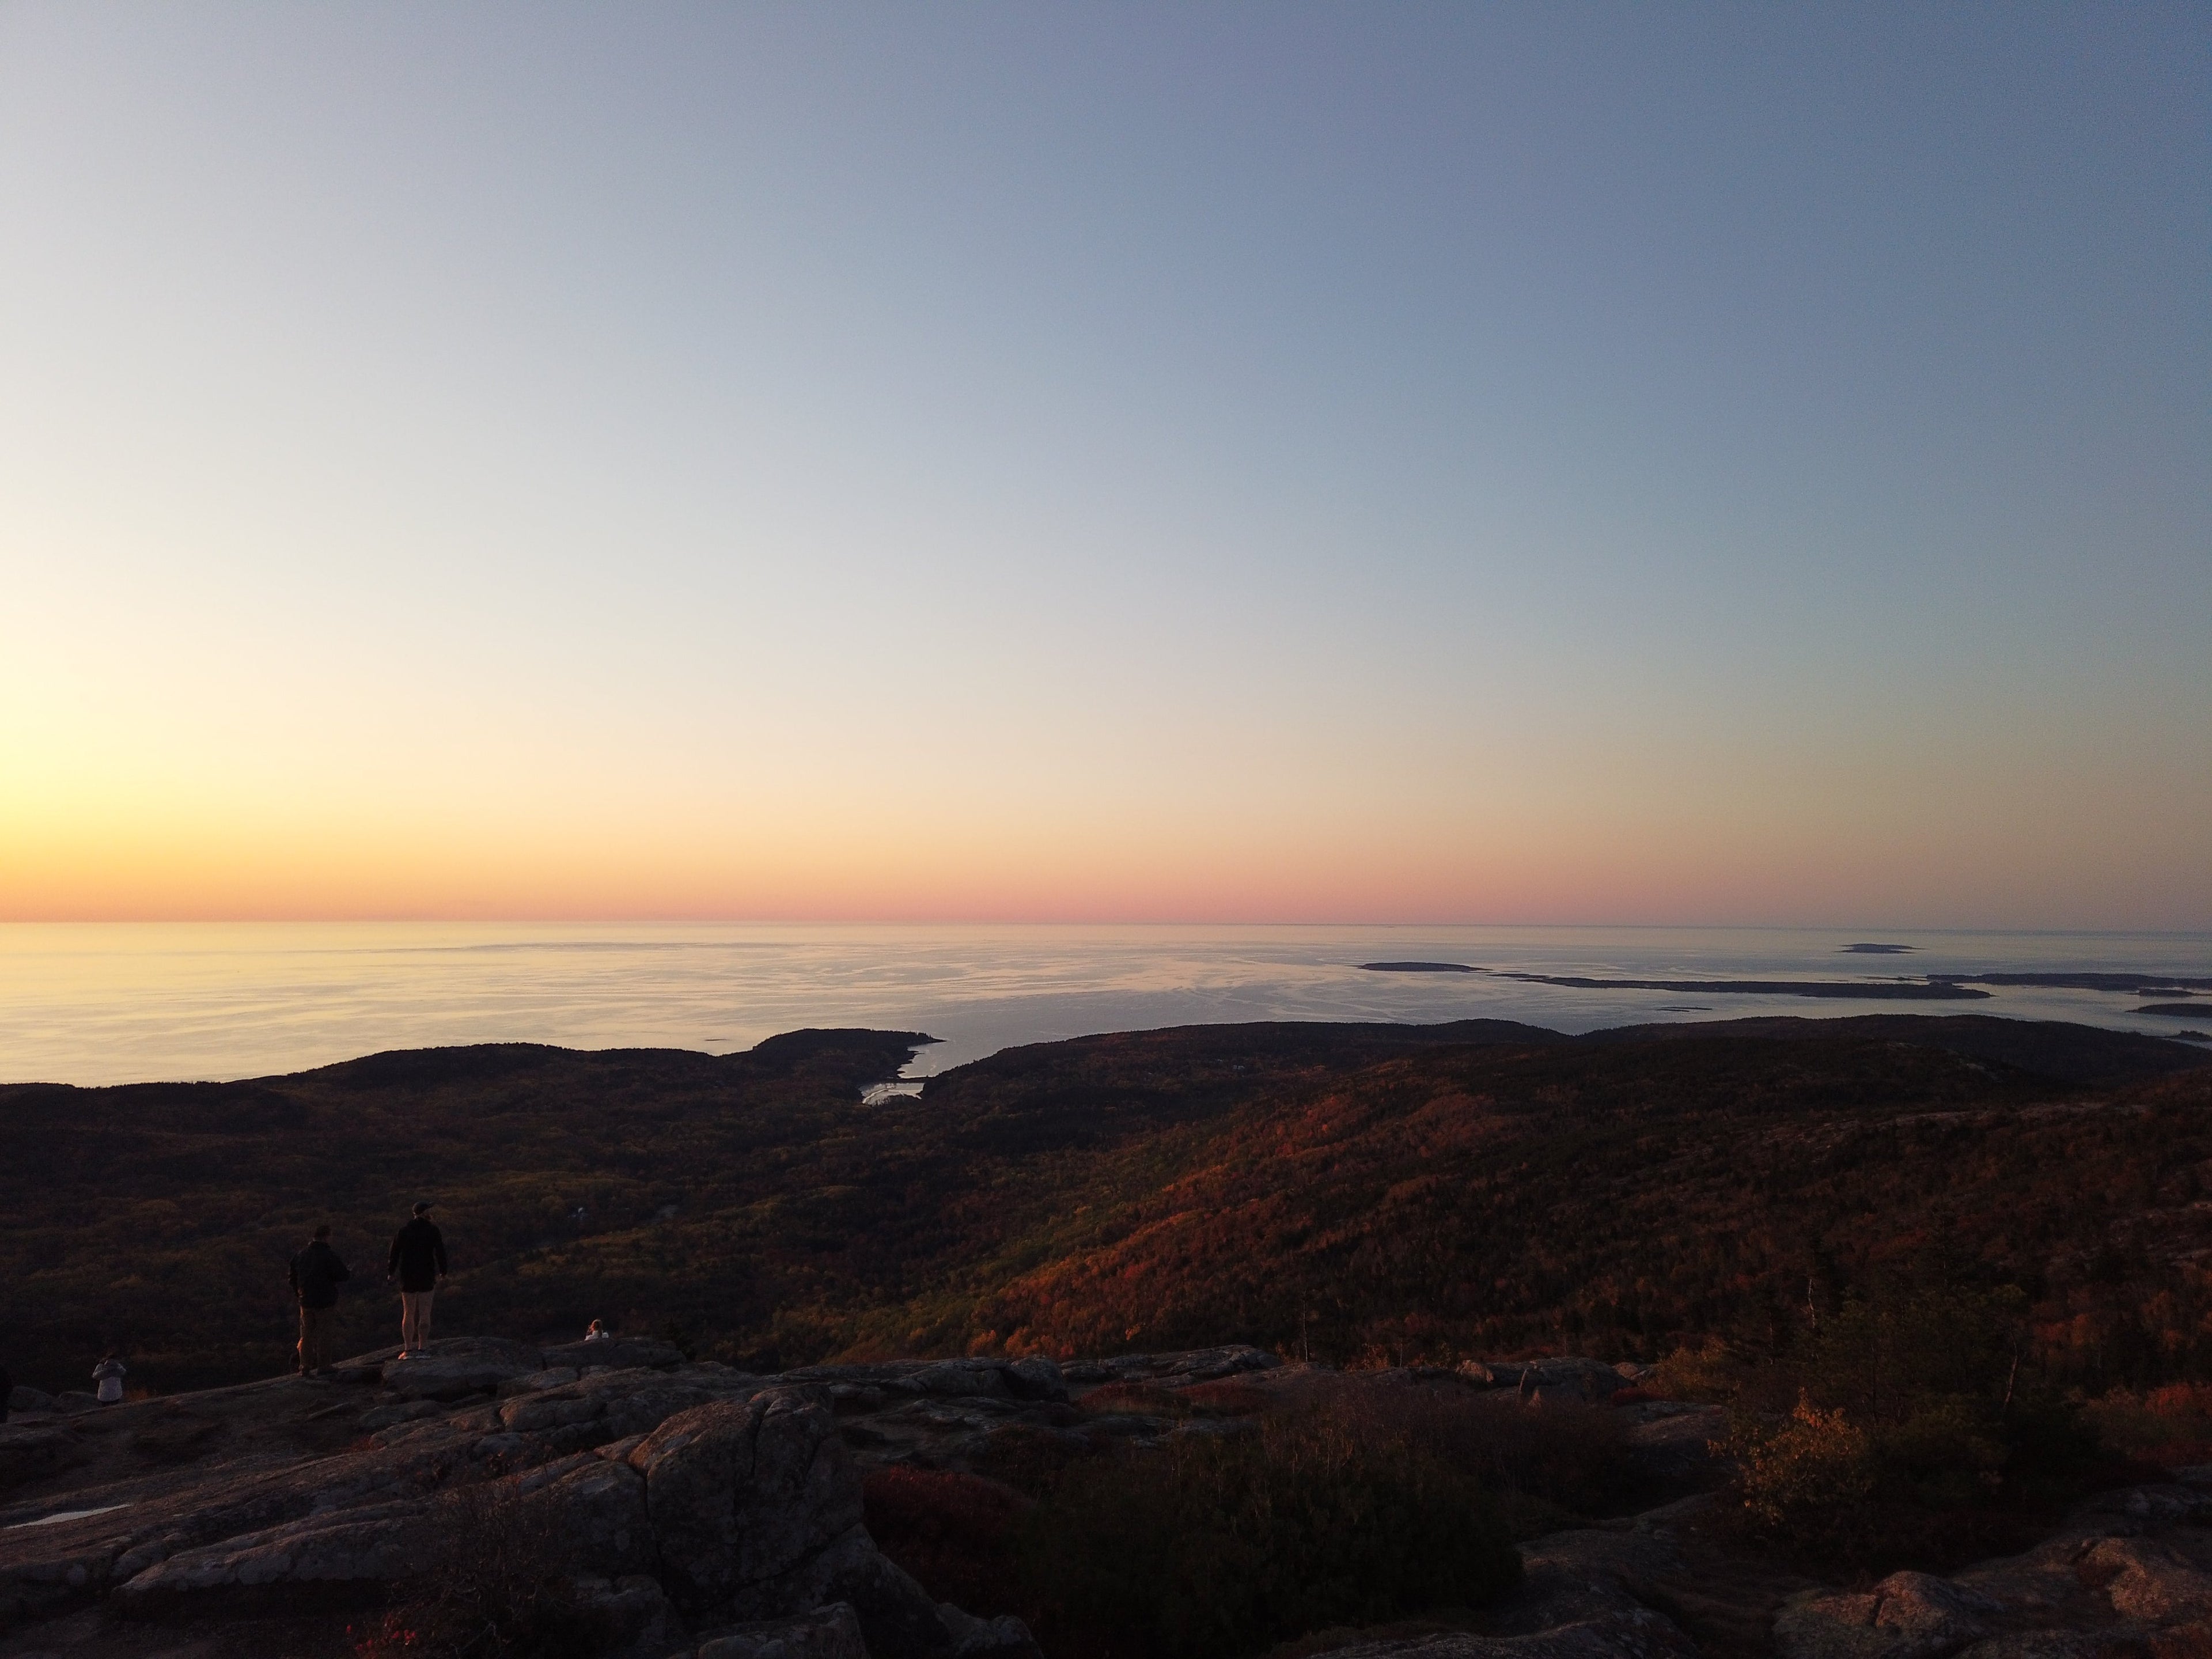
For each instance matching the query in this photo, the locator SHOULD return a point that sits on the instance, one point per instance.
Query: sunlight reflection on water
(105, 1003)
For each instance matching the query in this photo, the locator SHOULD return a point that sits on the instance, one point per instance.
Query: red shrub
(1028, 1459)
(1134, 1399)
(2181, 1400)
(1227, 1398)
(1561, 1452)
(388, 1636)
(952, 1531)
(2170, 1427)
(1631, 1395)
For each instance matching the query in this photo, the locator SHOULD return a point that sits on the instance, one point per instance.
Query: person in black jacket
(418, 1262)
(316, 1272)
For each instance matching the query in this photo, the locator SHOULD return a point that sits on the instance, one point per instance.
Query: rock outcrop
(1583, 1594)
(713, 1514)
(320, 1559)
(32, 1453)
(743, 1496)
(686, 1497)
(830, 1633)
(707, 1513)
(2129, 1573)
(475, 1365)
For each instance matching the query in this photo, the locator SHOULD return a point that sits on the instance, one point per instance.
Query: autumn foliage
(1375, 1195)
(955, 1532)
(1346, 1508)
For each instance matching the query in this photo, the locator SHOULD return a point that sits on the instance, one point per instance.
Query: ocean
(98, 1003)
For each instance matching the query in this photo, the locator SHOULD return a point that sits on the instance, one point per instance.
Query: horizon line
(648, 920)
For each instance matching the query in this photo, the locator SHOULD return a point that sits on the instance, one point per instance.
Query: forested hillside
(1372, 1193)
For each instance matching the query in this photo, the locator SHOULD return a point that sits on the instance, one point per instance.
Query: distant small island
(2174, 1010)
(1875, 950)
(1420, 967)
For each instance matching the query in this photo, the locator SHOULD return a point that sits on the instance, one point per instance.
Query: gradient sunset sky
(1683, 464)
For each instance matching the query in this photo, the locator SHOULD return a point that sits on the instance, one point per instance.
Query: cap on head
(422, 1208)
(322, 1230)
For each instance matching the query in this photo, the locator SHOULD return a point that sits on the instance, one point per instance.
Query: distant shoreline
(98, 1004)
(896, 1050)
(1932, 987)
(1901, 990)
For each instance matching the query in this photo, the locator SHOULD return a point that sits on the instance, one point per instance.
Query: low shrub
(1709, 1370)
(1348, 1502)
(1941, 1484)
(1562, 1454)
(1028, 1459)
(1946, 1454)
(1918, 1436)
(497, 1580)
(953, 1532)
(1803, 1477)
(1229, 1397)
(2170, 1426)
(1223, 1544)
(1134, 1400)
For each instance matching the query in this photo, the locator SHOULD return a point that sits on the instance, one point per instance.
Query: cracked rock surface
(2130, 1573)
(696, 1496)
(717, 1515)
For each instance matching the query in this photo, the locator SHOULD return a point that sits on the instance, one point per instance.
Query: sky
(1217, 463)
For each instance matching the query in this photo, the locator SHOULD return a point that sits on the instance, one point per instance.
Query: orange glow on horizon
(268, 867)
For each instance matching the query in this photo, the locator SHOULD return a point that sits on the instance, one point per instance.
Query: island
(1872, 990)
(2131, 984)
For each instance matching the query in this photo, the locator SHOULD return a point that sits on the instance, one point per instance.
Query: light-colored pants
(315, 1338)
(414, 1318)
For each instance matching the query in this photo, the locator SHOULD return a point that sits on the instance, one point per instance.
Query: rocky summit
(716, 1514)
(700, 1497)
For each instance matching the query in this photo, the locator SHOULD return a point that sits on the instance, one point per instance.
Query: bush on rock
(1225, 1544)
(498, 1581)
(1918, 1430)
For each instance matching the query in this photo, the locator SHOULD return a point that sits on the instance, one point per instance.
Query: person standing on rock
(108, 1378)
(316, 1272)
(418, 1262)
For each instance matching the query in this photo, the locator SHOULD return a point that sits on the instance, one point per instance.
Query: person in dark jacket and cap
(316, 1272)
(418, 1262)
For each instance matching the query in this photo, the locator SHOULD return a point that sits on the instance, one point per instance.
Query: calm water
(104, 1003)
